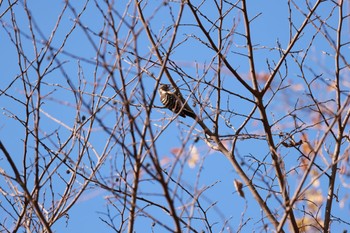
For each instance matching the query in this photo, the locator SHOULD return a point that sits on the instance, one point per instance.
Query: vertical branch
(250, 46)
(277, 160)
(218, 72)
(339, 138)
(278, 164)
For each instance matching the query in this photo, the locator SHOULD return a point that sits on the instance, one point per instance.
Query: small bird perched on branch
(174, 102)
(177, 104)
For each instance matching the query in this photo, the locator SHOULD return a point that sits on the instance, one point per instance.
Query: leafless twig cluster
(81, 115)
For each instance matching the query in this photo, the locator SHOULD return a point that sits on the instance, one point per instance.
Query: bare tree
(265, 146)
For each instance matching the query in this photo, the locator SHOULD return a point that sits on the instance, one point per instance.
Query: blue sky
(267, 28)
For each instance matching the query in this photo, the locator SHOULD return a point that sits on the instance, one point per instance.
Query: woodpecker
(174, 102)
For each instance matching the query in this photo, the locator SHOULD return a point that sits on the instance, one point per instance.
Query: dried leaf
(239, 187)
(262, 76)
(306, 148)
(304, 163)
(165, 160)
(342, 169)
(176, 151)
(194, 157)
(315, 199)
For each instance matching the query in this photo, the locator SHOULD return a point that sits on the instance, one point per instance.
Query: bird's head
(164, 87)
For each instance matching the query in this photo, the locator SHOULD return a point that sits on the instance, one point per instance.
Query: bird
(175, 102)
